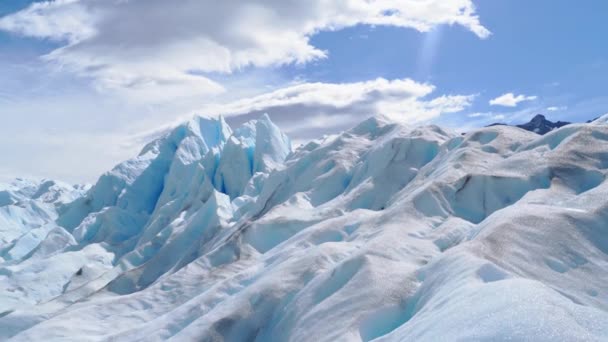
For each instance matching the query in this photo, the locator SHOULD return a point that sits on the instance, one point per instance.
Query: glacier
(385, 232)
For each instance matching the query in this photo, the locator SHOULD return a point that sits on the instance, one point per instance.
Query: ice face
(272, 146)
(384, 232)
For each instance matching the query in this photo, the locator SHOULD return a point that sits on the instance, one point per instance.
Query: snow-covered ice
(385, 232)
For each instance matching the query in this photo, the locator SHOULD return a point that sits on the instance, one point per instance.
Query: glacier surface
(385, 232)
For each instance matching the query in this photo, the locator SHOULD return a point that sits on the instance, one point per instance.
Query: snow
(385, 232)
(27, 205)
(601, 120)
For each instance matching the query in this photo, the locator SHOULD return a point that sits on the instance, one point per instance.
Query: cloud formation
(153, 50)
(511, 100)
(308, 110)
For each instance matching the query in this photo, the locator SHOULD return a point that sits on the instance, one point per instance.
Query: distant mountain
(539, 124)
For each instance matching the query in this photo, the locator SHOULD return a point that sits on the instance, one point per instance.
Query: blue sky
(80, 91)
(551, 49)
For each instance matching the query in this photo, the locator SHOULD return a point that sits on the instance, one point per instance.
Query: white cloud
(58, 20)
(336, 95)
(556, 109)
(309, 110)
(511, 100)
(155, 50)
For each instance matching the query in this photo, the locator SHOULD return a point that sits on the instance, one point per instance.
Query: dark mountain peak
(539, 124)
(538, 118)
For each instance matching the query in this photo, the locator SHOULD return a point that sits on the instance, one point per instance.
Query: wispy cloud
(511, 100)
(556, 108)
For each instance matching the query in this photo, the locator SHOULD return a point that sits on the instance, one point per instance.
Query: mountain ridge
(375, 233)
(540, 125)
